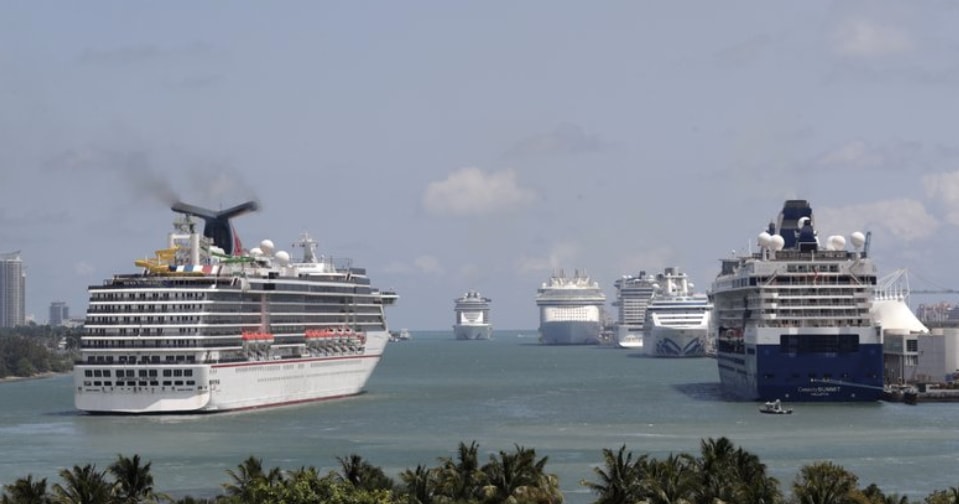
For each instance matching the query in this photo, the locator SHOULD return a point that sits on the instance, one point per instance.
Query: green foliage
(721, 474)
(26, 351)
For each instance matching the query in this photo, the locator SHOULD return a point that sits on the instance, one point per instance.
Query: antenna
(217, 224)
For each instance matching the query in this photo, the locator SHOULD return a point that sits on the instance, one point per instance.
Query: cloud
(866, 38)
(944, 189)
(855, 154)
(903, 218)
(428, 264)
(561, 255)
(894, 156)
(470, 191)
(566, 139)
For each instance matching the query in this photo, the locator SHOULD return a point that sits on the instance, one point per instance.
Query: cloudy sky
(455, 145)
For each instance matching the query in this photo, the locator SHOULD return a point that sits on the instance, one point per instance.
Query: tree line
(32, 350)
(720, 473)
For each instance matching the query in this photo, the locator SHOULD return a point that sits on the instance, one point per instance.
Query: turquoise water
(430, 393)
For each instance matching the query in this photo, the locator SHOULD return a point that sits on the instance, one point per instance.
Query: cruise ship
(570, 310)
(793, 320)
(633, 294)
(676, 319)
(472, 317)
(206, 326)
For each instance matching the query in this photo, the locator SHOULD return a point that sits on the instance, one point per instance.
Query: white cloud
(855, 154)
(428, 264)
(865, 38)
(903, 218)
(944, 188)
(561, 255)
(471, 191)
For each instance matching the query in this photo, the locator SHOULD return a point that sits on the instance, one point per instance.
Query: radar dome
(837, 242)
(282, 257)
(803, 221)
(778, 242)
(256, 252)
(266, 246)
(858, 239)
(765, 239)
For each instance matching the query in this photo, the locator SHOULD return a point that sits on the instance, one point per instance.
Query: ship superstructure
(206, 326)
(571, 310)
(472, 317)
(793, 320)
(633, 294)
(676, 318)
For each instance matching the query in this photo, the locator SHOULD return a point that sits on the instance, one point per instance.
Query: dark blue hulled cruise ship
(792, 321)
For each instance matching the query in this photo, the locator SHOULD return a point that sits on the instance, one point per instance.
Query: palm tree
(519, 477)
(250, 478)
(363, 475)
(26, 491)
(461, 480)
(82, 485)
(825, 483)
(133, 480)
(419, 484)
(672, 481)
(620, 478)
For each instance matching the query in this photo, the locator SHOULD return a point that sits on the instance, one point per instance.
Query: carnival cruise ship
(793, 320)
(570, 310)
(206, 326)
(633, 294)
(676, 318)
(472, 317)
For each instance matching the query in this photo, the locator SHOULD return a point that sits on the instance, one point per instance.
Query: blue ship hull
(812, 377)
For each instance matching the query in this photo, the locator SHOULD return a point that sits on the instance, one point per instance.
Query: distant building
(12, 290)
(59, 313)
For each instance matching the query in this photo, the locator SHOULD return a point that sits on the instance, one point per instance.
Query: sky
(448, 146)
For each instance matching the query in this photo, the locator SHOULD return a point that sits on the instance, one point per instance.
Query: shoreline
(41, 376)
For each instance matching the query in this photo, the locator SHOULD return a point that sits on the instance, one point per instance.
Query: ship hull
(767, 374)
(676, 342)
(464, 332)
(577, 332)
(239, 385)
(629, 338)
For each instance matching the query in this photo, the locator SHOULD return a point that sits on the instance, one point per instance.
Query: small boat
(775, 408)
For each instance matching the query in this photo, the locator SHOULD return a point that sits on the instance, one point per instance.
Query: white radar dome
(266, 246)
(858, 239)
(256, 252)
(778, 242)
(837, 242)
(765, 239)
(282, 257)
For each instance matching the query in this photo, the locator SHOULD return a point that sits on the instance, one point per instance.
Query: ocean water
(430, 393)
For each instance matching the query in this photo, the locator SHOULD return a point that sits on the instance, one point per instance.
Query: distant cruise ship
(793, 320)
(472, 317)
(206, 326)
(633, 294)
(570, 310)
(676, 318)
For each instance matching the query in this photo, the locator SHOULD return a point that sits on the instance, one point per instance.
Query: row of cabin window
(153, 359)
(142, 373)
(152, 383)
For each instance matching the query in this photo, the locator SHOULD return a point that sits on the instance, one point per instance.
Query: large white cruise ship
(676, 319)
(633, 294)
(570, 310)
(793, 320)
(206, 326)
(472, 317)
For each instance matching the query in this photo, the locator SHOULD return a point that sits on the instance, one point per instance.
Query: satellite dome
(765, 239)
(803, 221)
(778, 242)
(282, 257)
(256, 252)
(266, 246)
(837, 242)
(858, 239)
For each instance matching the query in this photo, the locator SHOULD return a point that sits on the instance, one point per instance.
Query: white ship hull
(629, 337)
(680, 341)
(242, 385)
(570, 332)
(466, 332)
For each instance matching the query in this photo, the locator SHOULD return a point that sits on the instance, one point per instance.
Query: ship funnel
(217, 223)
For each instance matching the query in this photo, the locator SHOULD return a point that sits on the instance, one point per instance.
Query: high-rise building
(12, 290)
(59, 313)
